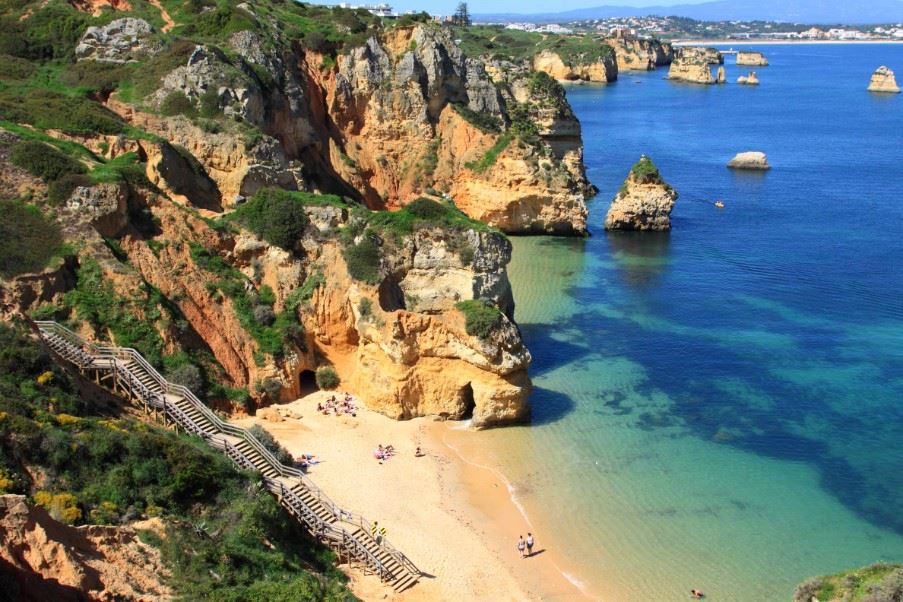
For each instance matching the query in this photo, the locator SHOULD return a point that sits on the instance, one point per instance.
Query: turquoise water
(722, 407)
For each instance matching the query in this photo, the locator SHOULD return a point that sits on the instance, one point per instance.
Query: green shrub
(645, 171)
(220, 22)
(58, 191)
(327, 378)
(189, 376)
(96, 76)
(210, 104)
(486, 123)
(28, 240)
(276, 216)
(269, 386)
(269, 442)
(46, 109)
(44, 161)
(176, 103)
(363, 260)
(490, 156)
(53, 31)
(365, 308)
(13, 67)
(481, 318)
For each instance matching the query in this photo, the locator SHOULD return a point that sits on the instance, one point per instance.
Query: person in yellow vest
(377, 532)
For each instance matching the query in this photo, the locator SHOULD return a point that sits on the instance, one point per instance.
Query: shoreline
(454, 514)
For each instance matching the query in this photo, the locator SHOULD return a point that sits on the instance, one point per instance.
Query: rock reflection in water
(642, 257)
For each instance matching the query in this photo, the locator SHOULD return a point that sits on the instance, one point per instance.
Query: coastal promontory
(638, 54)
(644, 202)
(883, 81)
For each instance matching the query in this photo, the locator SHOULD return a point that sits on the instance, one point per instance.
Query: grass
(44, 161)
(28, 240)
(480, 318)
(875, 583)
(645, 171)
(488, 124)
(489, 158)
(506, 44)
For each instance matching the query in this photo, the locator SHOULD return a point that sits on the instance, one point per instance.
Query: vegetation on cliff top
(480, 317)
(876, 583)
(645, 171)
(28, 240)
(226, 538)
(499, 43)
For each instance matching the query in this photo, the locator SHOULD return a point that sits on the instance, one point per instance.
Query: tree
(461, 17)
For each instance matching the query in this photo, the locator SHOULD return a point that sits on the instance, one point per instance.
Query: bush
(60, 190)
(46, 109)
(481, 318)
(189, 376)
(269, 442)
(176, 103)
(28, 240)
(210, 104)
(264, 315)
(13, 67)
(271, 387)
(44, 161)
(365, 308)
(327, 378)
(363, 260)
(276, 216)
(486, 123)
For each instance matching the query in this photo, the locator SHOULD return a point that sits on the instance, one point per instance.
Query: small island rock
(883, 81)
(749, 160)
(721, 78)
(752, 59)
(748, 80)
(644, 202)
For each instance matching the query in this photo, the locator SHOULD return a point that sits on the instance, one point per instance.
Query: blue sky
(443, 7)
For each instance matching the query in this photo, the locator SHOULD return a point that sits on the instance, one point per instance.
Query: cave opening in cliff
(468, 402)
(307, 383)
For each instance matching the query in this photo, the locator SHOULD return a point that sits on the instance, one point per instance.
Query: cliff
(636, 54)
(876, 583)
(752, 59)
(883, 81)
(691, 71)
(601, 70)
(49, 560)
(644, 202)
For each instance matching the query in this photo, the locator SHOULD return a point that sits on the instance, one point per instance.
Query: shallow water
(720, 407)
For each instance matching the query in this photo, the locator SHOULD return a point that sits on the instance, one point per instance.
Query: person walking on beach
(529, 544)
(521, 545)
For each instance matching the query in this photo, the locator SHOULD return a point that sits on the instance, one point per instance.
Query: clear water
(722, 407)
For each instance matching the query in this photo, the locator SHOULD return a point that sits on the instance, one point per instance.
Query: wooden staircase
(125, 372)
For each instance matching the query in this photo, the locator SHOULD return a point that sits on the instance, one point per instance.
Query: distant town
(679, 28)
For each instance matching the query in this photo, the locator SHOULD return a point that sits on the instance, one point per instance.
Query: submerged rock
(644, 202)
(752, 160)
(752, 59)
(883, 81)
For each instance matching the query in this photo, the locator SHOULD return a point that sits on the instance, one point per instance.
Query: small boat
(719, 204)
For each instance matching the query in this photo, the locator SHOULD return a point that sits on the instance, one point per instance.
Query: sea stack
(644, 202)
(721, 78)
(751, 160)
(693, 71)
(752, 59)
(748, 80)
(883, 81)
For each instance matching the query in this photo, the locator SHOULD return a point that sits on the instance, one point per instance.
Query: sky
(447, 7)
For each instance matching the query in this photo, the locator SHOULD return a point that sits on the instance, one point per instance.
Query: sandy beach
(452, 516)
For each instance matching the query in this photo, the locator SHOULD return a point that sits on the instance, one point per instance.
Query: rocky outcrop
(104, 206)
(751, 160)
(748, 80)
(637, 54)
(751, 59)
(47, 560)
(644, 202)
(883, 81)
(604, 70)
(711, 56)
(691, 71)
(121, 41)
(721, 78)
(391, 130)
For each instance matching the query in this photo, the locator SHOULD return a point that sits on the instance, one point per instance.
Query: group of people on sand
(525, 546)
(338, 407)
(306, 461)
(383, 453)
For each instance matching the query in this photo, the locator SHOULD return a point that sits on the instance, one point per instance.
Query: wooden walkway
(126, 373)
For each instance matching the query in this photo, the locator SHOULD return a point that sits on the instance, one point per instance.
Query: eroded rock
(644, 202)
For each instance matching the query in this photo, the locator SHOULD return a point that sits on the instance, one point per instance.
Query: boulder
(883, 81)
(120, 41)
(644, 202)
(752, 160)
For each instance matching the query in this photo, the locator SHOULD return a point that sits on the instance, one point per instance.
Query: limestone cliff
(751, 59)
(883, 81)
(644, 202)
(48, 560)
(711, 56)
(638, 54)
(691, 71)
(603, 70)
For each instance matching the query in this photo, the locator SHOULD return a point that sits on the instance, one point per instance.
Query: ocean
(721, 407)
